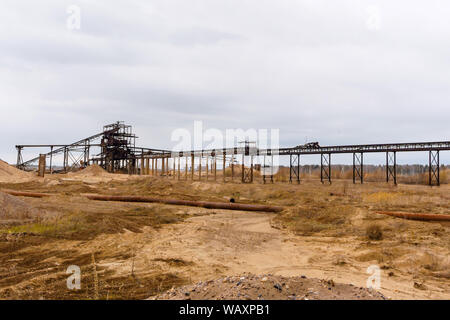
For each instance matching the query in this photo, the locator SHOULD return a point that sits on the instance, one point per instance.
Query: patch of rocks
(269, 287)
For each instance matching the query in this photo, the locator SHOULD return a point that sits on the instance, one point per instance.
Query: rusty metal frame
(358, 167)
(434, 168)
(294, 168)
(391, 166)
(325, 167)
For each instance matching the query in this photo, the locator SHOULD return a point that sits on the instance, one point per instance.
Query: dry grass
(311, 220)
(378, 175)
(81, 219)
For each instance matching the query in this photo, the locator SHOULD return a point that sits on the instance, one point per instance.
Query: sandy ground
(206, 247)
(240, 242)
(137, 251)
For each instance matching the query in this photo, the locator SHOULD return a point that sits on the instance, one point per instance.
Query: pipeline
(417, 216)
(25, 194)
(203, 204)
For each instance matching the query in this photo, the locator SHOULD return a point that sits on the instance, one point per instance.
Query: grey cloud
(200, 36)
(310, 68)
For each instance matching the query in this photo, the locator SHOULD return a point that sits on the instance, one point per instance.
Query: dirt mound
(93, 171)
(13, 208)
(270, 287)
(9, 173)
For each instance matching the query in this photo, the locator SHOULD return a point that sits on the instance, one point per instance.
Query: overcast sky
(337, 72)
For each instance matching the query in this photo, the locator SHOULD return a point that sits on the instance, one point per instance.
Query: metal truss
(267, 168)
(294, 168)
(325, 167)
(391, 166)
(433, 168)
(247, 172)
(358, 167)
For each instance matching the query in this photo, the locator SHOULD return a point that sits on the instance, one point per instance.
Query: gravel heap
(269, 287)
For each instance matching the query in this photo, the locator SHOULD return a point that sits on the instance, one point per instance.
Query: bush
(374, 232)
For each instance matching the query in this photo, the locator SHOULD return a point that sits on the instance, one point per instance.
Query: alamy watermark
(373, 21)
(73, 21)
(374, 280)
(224, 142)
(74, 280)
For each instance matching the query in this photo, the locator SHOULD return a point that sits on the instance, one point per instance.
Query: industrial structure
(118, 153)
(116, 145)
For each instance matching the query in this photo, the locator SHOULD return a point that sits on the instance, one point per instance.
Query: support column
(268, 172)
(186, 169)
(247, 173)
(263, 169)
(215, 167)
(85, 156)
(391, 166)
(147, 165)
(232, 167)
(167, 167)
(251, 169)
(142, 166)
(51, 160)
(41, 165)
(66, 160)
(294, 167)
(88, 153)
(223, 165)
(179, 167)
(200, 168)
(243, 168)
(433, 168)
(19, 157)
(207, 165)
(271, 168)
(192, 166)
(156, 167)
(325, 167)
(358, 173)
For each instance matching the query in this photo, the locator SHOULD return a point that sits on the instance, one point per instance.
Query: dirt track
(235, 243)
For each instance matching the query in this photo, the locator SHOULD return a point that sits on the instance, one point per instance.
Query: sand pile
(94, 174)
(270, 287)
(92, 171)
(13, 208)
(9, 173)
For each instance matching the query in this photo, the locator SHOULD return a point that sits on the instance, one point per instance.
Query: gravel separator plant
(116, 152)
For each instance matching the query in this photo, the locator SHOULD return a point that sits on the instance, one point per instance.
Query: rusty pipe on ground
(417, 216)
(25, 193)
(203, 204)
